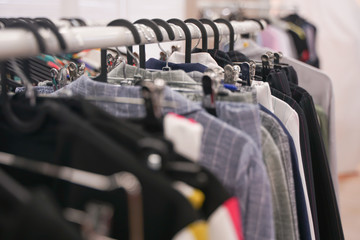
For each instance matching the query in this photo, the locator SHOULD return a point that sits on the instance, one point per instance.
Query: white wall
(104, 10)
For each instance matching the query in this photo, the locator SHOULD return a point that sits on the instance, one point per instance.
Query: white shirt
(203, 58)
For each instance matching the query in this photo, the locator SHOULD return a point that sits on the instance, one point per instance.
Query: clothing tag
(185, 134)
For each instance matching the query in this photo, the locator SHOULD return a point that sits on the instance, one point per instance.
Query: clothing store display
(317, 83)
(244, 157)
(203, 145)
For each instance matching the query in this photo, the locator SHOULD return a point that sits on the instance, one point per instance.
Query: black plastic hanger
(33, 29)
(81, 22)
(203, 32)
(23, 126)
(259, 22)
(151, 24)
(113, 182)
(209, 96)
(231, 31)
(46, 23)
(215, 30)
(187, 32)
(166, 26)
(11, 190)
(27, 23)
(152, 93)
(68, 20)
(102, 77)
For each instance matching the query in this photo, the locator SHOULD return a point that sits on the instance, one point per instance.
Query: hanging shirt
(305, 154)
(328, 213)
(320, 87)
(281, 142)
(229, 153)
(290, 119)
(71, 140)
(317, 83)
(306, 226)
(284, 217)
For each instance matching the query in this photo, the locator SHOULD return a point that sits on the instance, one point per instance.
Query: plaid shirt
(229, 153)
(282, 142)
(278, 162)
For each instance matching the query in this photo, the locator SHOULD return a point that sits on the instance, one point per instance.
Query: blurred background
(337, 45)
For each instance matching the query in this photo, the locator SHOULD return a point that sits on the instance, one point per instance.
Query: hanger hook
(198, 40)
(231, 31)
(47, 24)
(151, 24)
(202, 29)
(215, 30)
(102, 77)
(187, 32)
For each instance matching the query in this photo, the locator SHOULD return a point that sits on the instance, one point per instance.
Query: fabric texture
(320, 89)
(305, 154)
(38, 89)
(227, 152)
(306, 226)
(281, 142)
(330, 225)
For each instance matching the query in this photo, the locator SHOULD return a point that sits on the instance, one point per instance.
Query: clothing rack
(21, 43)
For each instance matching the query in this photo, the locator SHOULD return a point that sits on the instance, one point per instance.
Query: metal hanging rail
(16, 43)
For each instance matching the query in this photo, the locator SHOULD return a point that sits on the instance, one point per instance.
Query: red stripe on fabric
(232, 206)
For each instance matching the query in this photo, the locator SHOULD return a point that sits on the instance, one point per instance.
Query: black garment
(304, 24)
(118, 131)
(37, 219)
(328, 212)
(64, 138)
(237, 56)
(291, 74)
(301, 46)
(305, 154)
(278, 80)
